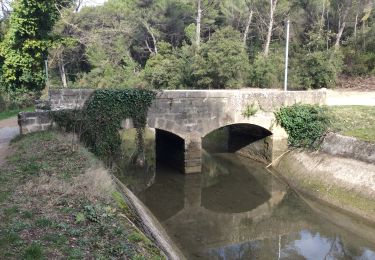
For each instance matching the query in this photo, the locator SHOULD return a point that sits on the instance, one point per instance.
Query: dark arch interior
(231, 138)
(170, 149)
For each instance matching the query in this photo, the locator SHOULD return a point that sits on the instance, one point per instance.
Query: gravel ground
(350, 98)
(8, 130)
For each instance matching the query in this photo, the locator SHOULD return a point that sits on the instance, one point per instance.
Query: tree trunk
(355, 28)
(247, 29)
(339, 35)
(341, 28)
(273, 4)
(149, 30)
(199, 21)
(322, 18)
(62, 72)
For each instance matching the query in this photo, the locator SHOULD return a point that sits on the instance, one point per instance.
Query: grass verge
(355, 121)
(57, 202)
(11, 113)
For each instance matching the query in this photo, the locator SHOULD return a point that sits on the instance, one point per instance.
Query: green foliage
(305, 124)
(164, 70)
(222, 61)
(250, 110)
(320, 69)
(266, 72)
(99, 122)
(25, 47)
(33, 252)
(358, 63)
(3, 104)
(80, 217)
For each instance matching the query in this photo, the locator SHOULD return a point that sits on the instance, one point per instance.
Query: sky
(94, 2)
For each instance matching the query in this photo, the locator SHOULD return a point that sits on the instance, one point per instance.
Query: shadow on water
(236, 209)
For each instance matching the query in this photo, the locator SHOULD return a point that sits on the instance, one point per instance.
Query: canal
(238, 209)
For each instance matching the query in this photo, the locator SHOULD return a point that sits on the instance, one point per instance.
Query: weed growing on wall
(99, 121)
(305, 124)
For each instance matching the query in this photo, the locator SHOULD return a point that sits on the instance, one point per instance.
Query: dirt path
(8, 130)
(352, 98)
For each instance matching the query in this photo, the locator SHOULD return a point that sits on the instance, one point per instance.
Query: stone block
(193, 154)
(44, 117)
(71, 92)
(194, 169)
(193, 163)
(34, 128)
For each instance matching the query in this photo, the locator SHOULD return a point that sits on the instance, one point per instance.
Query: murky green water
(236, 209)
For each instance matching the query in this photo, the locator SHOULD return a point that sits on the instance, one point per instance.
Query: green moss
(338, 194)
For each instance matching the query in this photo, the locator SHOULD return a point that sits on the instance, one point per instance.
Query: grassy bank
(11, 113)
(56, 202)
(356, 121)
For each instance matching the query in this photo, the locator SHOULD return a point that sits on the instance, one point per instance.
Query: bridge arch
(234, 137)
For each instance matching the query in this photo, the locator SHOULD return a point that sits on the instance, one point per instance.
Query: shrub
(164, 70)
(267, 72)
(359, 64)
(222, 61)
(3, 104)
(305, 124)
(320, 69)
(16, 99)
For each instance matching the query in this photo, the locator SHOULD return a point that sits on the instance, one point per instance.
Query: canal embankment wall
(150, 224)
(341, 174)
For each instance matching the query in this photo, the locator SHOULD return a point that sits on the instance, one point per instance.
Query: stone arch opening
(170, 149)
(233, 137)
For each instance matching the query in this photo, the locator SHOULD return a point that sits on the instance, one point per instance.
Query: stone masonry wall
(30, 122)
(192, 114)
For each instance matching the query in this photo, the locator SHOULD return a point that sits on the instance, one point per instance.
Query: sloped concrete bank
(150, 224)
(349, 147)
(345, 183)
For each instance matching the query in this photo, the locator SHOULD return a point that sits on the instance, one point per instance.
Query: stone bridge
(186, 116)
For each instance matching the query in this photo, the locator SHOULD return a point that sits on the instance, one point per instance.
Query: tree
(273, 5)
(239, 14)
(26, 43)
(164, 70)
(343, 8)
(207, 11)
(222, 61)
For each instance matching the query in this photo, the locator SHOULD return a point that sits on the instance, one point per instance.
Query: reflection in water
(236, 210)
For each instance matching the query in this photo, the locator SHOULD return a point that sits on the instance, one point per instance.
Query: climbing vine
(100, 119)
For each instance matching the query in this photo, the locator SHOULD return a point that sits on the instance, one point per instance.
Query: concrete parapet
(30, 122)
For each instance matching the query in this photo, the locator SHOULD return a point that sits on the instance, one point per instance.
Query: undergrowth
(56, 203)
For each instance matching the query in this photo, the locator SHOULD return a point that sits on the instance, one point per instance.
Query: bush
(359, 64)
(17, 99)
(222, 61)
(164, 70)
(305, 124)
(3, 105)
(320, 69)
(267, 72)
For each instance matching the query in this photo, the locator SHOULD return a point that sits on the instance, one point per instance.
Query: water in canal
(237, 209)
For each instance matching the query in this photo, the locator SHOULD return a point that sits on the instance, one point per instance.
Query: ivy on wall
(99, 121)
